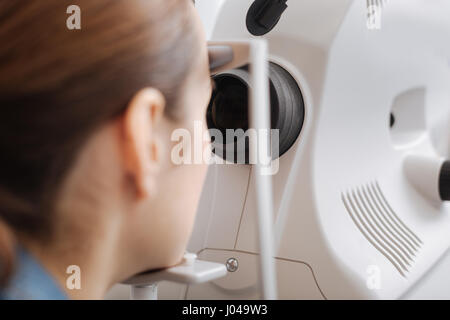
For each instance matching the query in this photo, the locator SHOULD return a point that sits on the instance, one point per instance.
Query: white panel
(230, 192)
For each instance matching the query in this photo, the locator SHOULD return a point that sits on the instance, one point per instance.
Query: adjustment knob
(429, 176)
(264, 15)
(444, 181)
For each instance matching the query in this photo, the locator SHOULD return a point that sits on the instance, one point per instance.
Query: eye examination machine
(360, 93)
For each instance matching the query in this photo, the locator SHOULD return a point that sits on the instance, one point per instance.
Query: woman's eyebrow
(219, 56)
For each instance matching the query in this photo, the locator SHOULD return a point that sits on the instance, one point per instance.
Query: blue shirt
(31, 281)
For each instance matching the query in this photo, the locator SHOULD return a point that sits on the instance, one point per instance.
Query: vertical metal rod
(260, 120)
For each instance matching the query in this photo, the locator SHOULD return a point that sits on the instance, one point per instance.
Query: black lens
(228, 108)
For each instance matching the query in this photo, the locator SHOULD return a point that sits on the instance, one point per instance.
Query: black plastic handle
(264, 15)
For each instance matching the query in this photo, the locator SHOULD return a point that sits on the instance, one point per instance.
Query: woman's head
(85, 123)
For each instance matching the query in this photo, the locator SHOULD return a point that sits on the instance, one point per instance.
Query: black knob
(444, 181)
(264, 15)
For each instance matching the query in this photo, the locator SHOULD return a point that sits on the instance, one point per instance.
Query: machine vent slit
(401, 233)
(410, 246)
(382, 227)
(376, 233)
(373, 235)
(372, 214)
(377, 3)
(368, 237)
(392, 213)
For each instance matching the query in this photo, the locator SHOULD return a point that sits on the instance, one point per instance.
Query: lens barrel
(229, 109)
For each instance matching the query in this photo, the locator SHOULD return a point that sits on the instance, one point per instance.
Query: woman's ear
(141, 149)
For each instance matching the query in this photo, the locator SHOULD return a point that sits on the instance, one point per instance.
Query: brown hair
(57, 86)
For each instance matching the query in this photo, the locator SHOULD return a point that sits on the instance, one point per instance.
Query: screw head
(232, 265)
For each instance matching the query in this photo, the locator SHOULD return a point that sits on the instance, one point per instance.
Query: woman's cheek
(187, 188)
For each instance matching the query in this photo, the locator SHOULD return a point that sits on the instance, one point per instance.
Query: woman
(86, 116)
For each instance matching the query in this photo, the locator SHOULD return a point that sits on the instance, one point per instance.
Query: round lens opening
(228, 108)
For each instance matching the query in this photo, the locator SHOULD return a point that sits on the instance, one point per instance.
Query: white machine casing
(350, 219)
